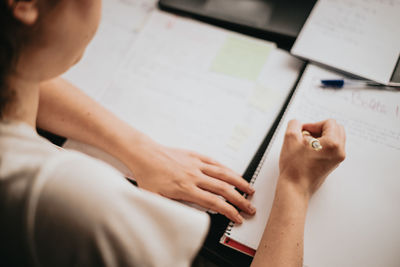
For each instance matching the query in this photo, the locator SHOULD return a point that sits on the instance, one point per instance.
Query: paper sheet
(353, 219)
(120, 23)
(361, 37)
(168, 88)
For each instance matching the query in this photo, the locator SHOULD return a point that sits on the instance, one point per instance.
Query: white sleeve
(87, 214)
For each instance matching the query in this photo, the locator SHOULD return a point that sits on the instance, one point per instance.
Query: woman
(61, 208)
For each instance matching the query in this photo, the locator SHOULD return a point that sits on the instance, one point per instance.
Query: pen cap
(333, 83)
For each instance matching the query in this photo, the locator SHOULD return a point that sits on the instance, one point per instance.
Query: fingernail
(251, 209)
(252, 190)
(239, 219)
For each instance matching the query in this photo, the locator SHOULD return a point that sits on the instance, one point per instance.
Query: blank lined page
(353, 220)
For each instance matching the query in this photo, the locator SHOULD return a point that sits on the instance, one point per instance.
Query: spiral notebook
(194, 86)
(353, 218)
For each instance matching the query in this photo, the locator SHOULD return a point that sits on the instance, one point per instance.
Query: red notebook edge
(229, 242)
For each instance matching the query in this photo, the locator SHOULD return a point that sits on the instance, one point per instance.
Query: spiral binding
(258, 169)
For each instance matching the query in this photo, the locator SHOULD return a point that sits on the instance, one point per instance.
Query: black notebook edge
(212, 248)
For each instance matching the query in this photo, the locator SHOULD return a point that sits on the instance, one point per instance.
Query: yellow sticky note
(242, 57)
(263, 98)
(240, 135)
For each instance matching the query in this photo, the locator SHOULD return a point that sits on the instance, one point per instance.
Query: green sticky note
(241, 57)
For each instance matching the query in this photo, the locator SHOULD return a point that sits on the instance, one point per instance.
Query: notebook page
(361, 37)
(120, 23)
(190, 85)
(353, 219)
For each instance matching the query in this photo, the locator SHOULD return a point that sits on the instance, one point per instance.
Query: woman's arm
(302, 171)
(173, 173)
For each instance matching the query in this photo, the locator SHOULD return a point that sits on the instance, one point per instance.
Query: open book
(354, 218)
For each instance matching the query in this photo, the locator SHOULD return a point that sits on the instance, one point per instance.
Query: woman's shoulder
(70, 164)
(124, 224)
(25, 157)
(76, 209)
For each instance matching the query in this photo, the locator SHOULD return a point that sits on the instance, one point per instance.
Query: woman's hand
(188, 176)
(173, 173)
(302, 171)
(302, 165)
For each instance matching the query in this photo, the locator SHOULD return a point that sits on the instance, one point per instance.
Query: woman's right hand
(302, 171)
(304, 167)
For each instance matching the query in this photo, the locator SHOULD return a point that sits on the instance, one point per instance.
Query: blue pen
(340, 83)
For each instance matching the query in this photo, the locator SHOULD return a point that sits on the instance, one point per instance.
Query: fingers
(218, 181)
(314, 128)
(332, 132)
(215, 203)
(228, 192)
(216, 170)
(323, 128)
(332, 136)
(228, 176)
(293, 130)
(293, 134)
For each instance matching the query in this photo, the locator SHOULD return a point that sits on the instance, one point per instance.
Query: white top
(62, 208)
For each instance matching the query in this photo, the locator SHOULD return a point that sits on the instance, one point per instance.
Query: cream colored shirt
(62, 208)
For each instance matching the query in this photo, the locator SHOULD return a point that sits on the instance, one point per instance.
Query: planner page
(361, 37)
(194, 86)
(354, 218)
(120, 24)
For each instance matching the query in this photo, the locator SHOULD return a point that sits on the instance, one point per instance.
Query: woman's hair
(9, 50)
(13, 36)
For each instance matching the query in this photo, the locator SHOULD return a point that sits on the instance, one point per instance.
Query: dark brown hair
(9, 50)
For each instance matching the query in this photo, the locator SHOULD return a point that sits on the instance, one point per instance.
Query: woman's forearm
(302, 171)
(282, 242)
(173, 173)
(65, 110)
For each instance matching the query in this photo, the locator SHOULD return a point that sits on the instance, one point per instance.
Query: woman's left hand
(174, 173)
(188, 176)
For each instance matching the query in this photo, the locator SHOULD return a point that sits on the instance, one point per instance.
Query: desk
(114, 33)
